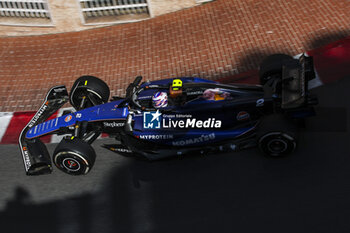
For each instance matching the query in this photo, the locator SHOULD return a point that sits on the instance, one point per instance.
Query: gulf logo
(68, 118)
(242, 115)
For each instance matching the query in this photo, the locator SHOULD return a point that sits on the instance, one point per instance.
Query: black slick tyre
(88, 91)
(74, 156)
(272, 66)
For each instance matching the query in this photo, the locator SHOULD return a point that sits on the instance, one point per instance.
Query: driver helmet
(160, 99)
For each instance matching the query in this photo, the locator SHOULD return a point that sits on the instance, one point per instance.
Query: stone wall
(66, 17)
(159, 7)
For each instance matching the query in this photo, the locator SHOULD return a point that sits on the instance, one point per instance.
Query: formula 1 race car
(202, 116)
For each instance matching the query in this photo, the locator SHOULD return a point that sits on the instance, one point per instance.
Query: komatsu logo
(190, 141)
(154, 120)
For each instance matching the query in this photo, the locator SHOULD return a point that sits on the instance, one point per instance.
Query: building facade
(35, 17)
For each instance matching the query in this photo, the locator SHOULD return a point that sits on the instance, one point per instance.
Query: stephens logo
(151, 120)
(113, 124)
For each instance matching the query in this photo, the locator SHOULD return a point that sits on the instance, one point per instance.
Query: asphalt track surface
(308, 191)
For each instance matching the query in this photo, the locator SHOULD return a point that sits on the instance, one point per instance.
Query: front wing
(35, 155)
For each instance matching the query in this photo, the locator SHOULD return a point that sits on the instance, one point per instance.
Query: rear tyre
(277, 136)
(88, 91)
(74, 156)
(272, 66)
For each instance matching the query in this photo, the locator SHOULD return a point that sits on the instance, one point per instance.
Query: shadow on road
(252, 57)
(326, 38)
(239, 192)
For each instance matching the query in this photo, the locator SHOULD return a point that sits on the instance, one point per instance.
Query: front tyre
(88, 91)
(74, 156)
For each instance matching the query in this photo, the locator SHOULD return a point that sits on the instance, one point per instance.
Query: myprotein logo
(157, 136)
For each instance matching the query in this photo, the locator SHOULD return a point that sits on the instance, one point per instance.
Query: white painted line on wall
(5, 119)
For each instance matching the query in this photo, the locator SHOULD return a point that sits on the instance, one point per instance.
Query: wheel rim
(71, 164)
(277, 146)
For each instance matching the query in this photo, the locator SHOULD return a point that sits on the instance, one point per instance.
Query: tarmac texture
(309, 191)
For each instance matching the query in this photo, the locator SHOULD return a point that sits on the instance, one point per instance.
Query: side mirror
(128, 124)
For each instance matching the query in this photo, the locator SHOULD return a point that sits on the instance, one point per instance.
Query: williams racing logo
(155, 120)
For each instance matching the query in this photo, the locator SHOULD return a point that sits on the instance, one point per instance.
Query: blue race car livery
(201, 116)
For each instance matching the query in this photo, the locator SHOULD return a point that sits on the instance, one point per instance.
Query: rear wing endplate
(295, 77)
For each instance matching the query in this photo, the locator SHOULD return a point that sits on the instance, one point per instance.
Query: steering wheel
(131, 91)
(132, 86)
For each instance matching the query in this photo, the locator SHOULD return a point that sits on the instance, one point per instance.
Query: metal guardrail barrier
(24, 8)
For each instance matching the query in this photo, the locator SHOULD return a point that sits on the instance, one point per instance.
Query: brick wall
(159, 7)
(213, 40)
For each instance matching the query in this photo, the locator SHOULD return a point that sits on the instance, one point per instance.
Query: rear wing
(35, 155)
(295, 77)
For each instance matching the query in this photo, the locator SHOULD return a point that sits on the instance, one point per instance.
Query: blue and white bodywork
(202, 116)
